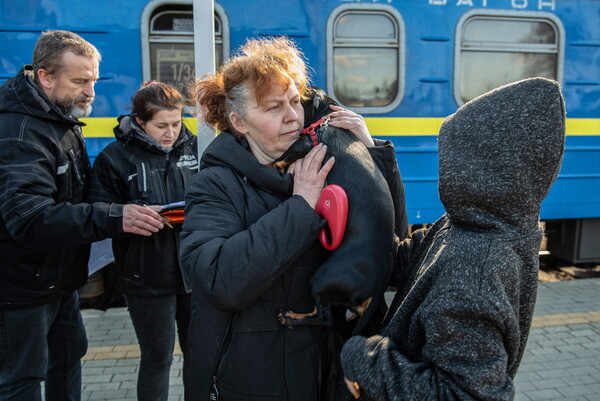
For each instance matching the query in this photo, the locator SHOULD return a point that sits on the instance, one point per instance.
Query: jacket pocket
(77, 169)
(77, 177)
(127, 254)
(60, 270)
(253, 362)
(141, 185)
(65, 180)
(70, 179)
(48, 272)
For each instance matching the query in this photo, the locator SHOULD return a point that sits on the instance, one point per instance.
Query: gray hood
(500, 153)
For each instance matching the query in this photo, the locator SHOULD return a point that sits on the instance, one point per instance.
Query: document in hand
(173, 211)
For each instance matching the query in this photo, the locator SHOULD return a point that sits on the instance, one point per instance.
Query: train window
(170, 37)
(365, 69)
(493, 50)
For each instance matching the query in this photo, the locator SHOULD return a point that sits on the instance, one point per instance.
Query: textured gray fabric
(458, 325)
(500, 153)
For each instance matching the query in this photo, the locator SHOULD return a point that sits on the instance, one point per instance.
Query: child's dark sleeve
(384, 156)
(462, 356)
(406, 254)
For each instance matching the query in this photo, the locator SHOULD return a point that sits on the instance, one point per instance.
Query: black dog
(356, 274)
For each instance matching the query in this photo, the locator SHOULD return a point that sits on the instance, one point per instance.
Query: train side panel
(433, 45)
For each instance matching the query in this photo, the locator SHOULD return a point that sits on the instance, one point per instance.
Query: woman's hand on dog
(309, 176)
(355, 123)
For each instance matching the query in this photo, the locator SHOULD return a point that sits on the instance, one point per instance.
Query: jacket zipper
(214, 392)
(171, 168)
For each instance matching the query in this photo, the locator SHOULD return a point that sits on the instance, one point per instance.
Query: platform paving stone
(561, 361)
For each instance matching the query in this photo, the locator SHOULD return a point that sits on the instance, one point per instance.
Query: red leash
(310, 130)
(333, 207)
(333, 202)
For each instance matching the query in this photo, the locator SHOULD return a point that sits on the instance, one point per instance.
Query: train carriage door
(365, 57)
(494, 48)
(168, 42)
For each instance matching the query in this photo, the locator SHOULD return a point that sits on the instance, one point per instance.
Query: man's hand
(141, 220)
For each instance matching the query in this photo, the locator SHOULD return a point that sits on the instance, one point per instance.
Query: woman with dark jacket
(249, 241)
(151, 162)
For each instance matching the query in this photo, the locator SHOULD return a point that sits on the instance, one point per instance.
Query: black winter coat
(45, 229)
(458, 326)
(136, 169)
(250, 249)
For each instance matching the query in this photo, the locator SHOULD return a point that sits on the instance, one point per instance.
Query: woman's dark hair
(153, 97)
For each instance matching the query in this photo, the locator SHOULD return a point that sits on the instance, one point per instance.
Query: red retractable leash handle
(333, 202)
(333, 207)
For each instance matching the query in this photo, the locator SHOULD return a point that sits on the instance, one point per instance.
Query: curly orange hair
(260, 65)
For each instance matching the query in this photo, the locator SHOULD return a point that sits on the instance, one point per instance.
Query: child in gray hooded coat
(458, 325)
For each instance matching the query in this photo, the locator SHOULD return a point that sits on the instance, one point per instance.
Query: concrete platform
(561, 362)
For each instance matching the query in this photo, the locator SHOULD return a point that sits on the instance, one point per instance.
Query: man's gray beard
(70, 107)
(78, 112)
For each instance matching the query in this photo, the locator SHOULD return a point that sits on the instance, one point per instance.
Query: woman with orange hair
(249, 240)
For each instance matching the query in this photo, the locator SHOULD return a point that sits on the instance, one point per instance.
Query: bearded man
(45, 227)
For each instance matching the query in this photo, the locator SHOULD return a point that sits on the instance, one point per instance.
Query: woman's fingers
(312, 161)
(316, 154)
(324, 171)
(355, 123)
(310, 174)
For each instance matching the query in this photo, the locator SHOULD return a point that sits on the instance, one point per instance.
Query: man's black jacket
(45, 229)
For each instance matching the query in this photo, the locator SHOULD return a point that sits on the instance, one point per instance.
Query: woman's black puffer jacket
(136, 169)
(250, 248)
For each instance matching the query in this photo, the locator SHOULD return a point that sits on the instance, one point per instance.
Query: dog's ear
(310, 105)
(324, 98)
(317, 105)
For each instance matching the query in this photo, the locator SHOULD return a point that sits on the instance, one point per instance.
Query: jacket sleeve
(463, 356)
(29, 211)
(384, 156)
(232, 263)
(405, 252)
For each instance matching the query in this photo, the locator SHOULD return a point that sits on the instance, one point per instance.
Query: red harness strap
(310, 130)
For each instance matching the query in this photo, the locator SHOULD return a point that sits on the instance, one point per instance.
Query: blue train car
(403, 64)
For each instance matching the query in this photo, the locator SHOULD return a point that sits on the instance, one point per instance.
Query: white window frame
(168, 37)
(401, 46)
(516, 47)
